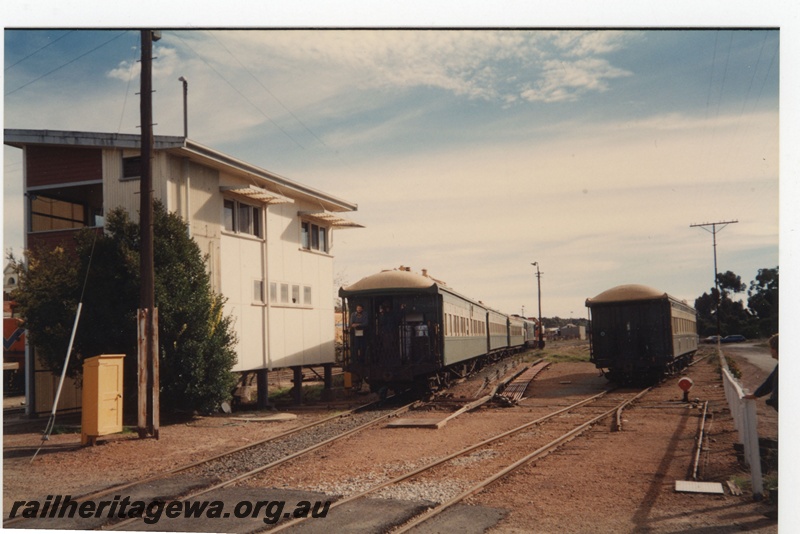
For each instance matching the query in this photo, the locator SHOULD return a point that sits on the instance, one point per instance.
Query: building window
(241, 218)
(229, 215)
(273, 292)
(258, 291)
(53, 214)
(313, 237)
(304, 228)
(285, 293)
(295, 294)
(307, 295)
(131, 167)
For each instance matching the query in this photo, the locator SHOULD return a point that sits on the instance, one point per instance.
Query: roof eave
(220, 160)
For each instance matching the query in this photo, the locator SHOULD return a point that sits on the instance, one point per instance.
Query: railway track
(233, 465)
(507, 451)
(226, 469)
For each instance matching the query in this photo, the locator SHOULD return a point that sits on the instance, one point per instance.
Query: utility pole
(185, 83)
(148, 416)
(713, 231)
(539, 286)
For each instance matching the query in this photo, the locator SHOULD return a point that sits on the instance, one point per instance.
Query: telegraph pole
(713, 231)
(148, 416)
(539, 286)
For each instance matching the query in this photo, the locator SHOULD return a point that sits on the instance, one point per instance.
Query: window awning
(329, 218)
(256, 193)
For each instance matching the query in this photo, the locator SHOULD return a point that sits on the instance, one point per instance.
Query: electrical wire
(51, 422)
(262, 112)
(128, 86)
(270, 93)
(65, 64)
(38, 50)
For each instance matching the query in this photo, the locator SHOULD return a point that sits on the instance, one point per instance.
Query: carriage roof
(390, 280)
(627, 293)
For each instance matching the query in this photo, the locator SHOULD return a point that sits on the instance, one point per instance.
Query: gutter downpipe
(266, 332)
(188, 182)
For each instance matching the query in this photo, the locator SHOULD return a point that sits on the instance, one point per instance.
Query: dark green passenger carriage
(418, 331)
(640, 334)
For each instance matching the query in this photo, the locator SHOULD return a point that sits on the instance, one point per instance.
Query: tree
(758, 319)
(763, 301)
(195, 337)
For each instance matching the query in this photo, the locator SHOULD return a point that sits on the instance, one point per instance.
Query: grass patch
(743, 482)
(66, 429)
(558, 352)
(771, 481)
(310, 393)
(733, 367)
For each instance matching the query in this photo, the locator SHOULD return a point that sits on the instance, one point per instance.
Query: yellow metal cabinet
(102, 397)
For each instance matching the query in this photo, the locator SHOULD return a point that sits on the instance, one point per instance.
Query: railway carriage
(419, 331)
(516, 331)
(640, 334)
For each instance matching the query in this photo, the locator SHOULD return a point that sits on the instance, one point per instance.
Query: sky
(471, 153)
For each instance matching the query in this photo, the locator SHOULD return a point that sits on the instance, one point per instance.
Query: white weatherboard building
(269, 240)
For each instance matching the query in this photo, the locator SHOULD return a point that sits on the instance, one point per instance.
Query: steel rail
(442, 460)
(541, 451)
(252, 472)
(700, 441)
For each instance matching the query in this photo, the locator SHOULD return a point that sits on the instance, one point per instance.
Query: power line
(287, 134)
(38, 50)
(289, 111)
(67, 63)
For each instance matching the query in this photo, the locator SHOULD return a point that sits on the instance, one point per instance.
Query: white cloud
(568, 80)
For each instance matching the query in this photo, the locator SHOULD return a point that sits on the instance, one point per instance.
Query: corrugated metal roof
(332, 219)
(257, 193)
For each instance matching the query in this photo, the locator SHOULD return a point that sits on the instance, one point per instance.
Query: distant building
(572, 331)
(269, 240)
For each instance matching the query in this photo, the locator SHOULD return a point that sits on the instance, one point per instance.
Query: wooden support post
(262, 389)
(297, 389)
(148, 420)
(142, 374)
(327, 391)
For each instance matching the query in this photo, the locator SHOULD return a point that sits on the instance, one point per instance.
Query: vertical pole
(716, 280)
(297, 388)
(327, 390)
(716, 271)
(185, 106)
(262, 390)
(148, 421)
(539, 289)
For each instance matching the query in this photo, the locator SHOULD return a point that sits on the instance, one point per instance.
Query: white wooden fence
(746, 422)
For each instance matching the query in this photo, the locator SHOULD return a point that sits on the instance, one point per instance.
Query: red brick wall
(62, 165)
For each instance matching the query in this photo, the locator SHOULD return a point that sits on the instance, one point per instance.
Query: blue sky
(471, 153)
